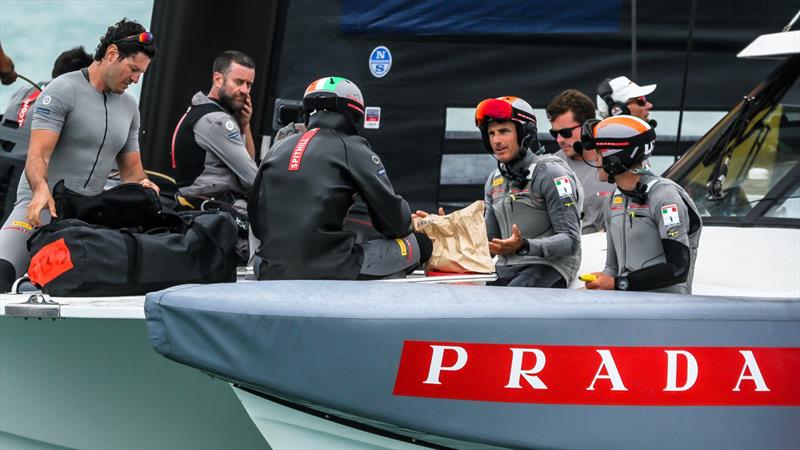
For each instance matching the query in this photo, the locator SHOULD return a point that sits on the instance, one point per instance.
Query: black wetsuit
(301, 196)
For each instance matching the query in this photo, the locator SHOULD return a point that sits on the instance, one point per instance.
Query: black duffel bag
(73, 258)
(124, 206)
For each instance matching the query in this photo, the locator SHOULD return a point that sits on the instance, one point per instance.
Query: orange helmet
(623, 142)
(513, 109)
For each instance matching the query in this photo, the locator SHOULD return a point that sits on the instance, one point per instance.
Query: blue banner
(484, 17)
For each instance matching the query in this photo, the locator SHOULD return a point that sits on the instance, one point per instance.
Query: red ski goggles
(501, 110)
(492, 109)
(142, 38)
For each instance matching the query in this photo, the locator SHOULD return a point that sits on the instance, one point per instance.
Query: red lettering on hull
(601, 375)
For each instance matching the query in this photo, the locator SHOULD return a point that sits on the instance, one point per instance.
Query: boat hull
(343, 349)
(97, 383)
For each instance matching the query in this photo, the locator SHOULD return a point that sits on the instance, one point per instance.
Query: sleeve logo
(564, 186)
(669, 213)
(229, 125)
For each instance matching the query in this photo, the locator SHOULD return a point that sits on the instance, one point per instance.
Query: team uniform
(653, 231)
(304, 189)
(595, 194)
(93, 127)
(546, 208)
(645, 234)
(209, 153)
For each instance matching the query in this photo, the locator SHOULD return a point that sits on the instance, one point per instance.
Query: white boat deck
(132, 307)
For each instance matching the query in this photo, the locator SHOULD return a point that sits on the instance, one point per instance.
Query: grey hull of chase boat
(523, 368)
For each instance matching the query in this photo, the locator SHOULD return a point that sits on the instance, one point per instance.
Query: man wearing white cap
(621, 96)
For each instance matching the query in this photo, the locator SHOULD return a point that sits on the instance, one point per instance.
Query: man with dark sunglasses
(533, 201)
(567, 112)
(83, 123)
(621, 96)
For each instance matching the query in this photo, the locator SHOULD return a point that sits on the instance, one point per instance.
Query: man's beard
(227, 101)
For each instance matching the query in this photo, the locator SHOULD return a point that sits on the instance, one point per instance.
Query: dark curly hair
(71, 60)
(573, 100)
(120, 30)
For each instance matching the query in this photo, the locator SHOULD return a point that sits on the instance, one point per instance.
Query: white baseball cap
(622, 90)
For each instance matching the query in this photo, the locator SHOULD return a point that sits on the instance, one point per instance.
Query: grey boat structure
(477, 367)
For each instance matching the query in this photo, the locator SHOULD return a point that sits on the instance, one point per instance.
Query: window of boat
(766, 150)
(788, 207)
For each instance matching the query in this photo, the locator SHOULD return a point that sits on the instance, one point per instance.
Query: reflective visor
(494, 109)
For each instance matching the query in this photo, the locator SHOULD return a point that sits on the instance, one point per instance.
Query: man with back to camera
(532, 201)
(213, 153)
(20, 105)
(568, 112)
(653, 226)
(305, 187)
(83, 122)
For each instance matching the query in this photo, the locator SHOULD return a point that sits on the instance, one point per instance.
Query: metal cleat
(38, 306)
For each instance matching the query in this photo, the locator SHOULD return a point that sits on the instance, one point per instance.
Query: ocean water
(34, 32)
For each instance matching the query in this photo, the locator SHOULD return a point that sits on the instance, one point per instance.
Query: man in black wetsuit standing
(305, 186)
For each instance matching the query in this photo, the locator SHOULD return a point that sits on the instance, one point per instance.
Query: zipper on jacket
(105, 133)
(624, 240)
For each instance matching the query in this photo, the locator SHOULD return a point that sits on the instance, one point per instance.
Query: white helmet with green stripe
(335, 94)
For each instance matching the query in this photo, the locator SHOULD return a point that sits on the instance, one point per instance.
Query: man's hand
(150, 185)
(507, 246)
(243, 116)
(420, 214)
(41, 199)
(603, 282)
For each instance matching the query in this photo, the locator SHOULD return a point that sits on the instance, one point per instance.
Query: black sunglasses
(641, 101)
(565, 133)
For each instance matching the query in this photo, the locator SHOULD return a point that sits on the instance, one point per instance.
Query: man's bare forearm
(36, 172)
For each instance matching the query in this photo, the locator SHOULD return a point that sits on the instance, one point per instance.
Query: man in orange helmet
(533, 202)
(653, 227)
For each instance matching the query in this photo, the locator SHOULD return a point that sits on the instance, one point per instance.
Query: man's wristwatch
(621, 283)
(525, 249)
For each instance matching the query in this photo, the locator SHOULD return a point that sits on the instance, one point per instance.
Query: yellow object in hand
(588, 277)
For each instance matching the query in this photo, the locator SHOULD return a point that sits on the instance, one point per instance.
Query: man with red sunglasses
(83, 123)
(533, 201)
(568, 112)
(621, 96)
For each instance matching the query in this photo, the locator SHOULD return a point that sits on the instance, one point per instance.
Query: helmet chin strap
(638, 194)
(514, 169)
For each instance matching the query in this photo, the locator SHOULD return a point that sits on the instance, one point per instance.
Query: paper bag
(459, 241)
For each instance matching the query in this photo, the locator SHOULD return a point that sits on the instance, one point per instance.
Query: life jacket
(25, 106)
(188, 158)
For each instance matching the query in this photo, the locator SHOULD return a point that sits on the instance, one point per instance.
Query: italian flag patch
(669, 213)
(564, 186)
